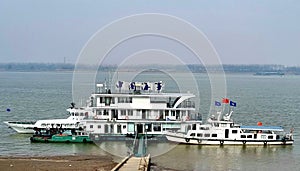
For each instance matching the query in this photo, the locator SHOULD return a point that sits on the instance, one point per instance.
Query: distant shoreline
(195, 68)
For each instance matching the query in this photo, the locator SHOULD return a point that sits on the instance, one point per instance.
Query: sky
(242, 32)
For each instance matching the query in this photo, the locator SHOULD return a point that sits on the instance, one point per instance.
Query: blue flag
(217, 103)
(232, 103)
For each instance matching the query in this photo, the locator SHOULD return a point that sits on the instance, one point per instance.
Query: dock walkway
(132, 163)
(138, 160)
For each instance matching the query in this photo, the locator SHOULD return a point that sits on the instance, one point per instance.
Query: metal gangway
(138, 159)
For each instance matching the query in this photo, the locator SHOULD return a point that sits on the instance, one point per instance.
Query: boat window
(112, 100)
(130, 112)
(192, 134)
(206, 135)
(194, 127)
(121, 100)
(263, 136)
(270, 137)
(107, 101)
(123, 112)
(199, 135)
(223, 125)
(72, 113)
(81, 114)
(148, 127)
(213, 135)
(119, 129)
(124, 126)
(216, 124)
(43, 124)
(99, 126)
(249, 136)
(76, 114)
(105, 112)
(243, 136)
(91, 126)
(234, 131)
(156, 127)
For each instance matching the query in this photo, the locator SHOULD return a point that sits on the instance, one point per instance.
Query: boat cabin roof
(268, 128)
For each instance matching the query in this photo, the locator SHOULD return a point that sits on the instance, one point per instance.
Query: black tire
(199, 141)
(265, 143)
(84, 140)
(244, 142)
(187, 140)
(67, 141)
(221, 142)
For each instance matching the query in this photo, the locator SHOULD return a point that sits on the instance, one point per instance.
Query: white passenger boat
(23, 127)
(72, 122)
(139, 108)
(226, 132)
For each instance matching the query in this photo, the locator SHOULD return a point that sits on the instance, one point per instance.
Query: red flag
(225, 100)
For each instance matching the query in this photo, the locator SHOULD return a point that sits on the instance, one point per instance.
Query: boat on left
(72, 122)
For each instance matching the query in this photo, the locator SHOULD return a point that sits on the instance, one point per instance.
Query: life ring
(199, 141)
(221, 142)
(187, 140)
(126, 117)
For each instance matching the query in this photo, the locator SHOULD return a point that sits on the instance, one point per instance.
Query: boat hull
(180, 138)
(21, 127)
(61, 139)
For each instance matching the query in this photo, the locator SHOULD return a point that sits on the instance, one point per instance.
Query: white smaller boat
(23, 127)
(72, 122)
(226, 132)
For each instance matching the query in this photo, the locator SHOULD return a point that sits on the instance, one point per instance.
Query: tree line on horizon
(197, 68)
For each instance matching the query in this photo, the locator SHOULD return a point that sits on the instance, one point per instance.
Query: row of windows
(156, 127)
(138, 112)
(262, 137)
(111, 100)
(78, 114)
(203, 135)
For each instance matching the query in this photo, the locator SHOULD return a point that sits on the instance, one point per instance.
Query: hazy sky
(242, 32)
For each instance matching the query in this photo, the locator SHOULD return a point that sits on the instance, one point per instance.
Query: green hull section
(62, 139)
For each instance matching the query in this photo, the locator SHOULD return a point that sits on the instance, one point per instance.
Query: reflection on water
(123, 148)
(194, 157)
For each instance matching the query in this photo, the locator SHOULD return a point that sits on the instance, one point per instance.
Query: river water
(272, 100)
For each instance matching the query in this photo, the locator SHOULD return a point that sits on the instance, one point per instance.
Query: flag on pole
(225, 100)
(232, 103)
(217, 103)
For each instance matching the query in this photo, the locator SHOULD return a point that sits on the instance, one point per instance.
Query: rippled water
(272, 100)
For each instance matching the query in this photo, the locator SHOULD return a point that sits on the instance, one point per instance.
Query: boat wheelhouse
(139, 107)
